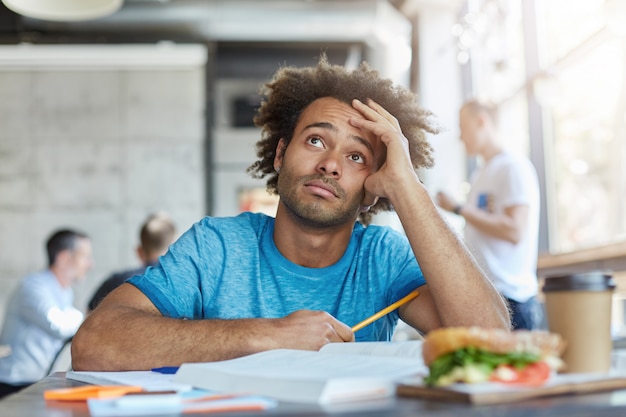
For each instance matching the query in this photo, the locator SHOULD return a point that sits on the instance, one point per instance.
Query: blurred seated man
(40, 314)
(157, 233)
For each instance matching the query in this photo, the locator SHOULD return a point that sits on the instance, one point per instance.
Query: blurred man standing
(40, 314)
(157, 233)
(501, 214)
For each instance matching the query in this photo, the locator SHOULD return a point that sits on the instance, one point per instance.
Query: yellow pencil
(386, 310)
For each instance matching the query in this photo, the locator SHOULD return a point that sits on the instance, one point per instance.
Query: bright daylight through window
(579, 82)
(585, 115)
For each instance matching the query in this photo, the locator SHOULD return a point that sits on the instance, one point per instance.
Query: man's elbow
(514, 239)
(82, 351)
(88, 349)
(512, 235)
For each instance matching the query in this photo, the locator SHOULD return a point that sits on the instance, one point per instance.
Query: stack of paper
(161, 395)
(148, 380)
(148, 405)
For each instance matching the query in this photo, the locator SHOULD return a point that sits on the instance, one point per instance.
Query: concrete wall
(440, 91)
(96, 138)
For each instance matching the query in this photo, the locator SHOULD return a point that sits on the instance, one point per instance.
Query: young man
(501, 214)
(157, 233)
(40, 314)
(336, 146)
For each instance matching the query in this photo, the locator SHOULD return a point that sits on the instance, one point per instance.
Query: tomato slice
(534, 374)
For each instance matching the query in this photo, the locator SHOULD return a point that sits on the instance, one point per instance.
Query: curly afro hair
(292, 89)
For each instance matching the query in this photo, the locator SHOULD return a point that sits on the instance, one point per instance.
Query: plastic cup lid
(592, 281)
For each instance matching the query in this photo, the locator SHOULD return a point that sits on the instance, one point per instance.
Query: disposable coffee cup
(578, 307)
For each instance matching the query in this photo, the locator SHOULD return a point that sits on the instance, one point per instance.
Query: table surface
(30, 403)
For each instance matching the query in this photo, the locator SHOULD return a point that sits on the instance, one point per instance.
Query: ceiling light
(63, 10)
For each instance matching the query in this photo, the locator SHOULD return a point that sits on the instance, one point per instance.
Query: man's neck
(60, 276)
(310, 246)
(490, 150)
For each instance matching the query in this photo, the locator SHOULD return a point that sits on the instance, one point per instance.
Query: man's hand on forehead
(395, 165)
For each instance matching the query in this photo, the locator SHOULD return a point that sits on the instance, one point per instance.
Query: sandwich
(474, 354)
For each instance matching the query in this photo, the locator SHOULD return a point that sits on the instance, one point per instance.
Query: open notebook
(337, 373)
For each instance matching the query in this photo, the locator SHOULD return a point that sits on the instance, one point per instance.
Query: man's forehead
(332, 106)
(330, 113)
(333, 115)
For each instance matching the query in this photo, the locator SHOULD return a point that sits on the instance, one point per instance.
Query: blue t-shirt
(230, 268)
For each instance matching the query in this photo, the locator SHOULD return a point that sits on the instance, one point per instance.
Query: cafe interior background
(146, 105)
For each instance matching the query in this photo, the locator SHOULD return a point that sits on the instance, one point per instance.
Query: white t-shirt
(504, 181)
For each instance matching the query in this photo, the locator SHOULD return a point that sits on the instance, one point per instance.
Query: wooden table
(30, 403)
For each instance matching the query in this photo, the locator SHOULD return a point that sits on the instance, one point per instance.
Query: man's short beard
(314, 214)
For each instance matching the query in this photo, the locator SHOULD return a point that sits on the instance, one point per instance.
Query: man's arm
(127, 332)
(507, 226)
(108, 285)
(38, 308)
(457, 292)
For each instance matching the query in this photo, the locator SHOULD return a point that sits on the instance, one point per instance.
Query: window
(491, 32)
(577, 74)
(585, 110)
